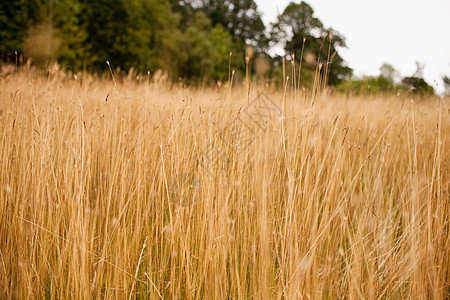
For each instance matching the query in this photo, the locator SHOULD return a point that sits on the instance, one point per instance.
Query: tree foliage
(297, 26)
(118, 31)
(386, 82)
(72, 33)
(205, 49)
(417, 85)
(368, 85)
(16, 17)
(189, 39)
(389, 72)
(446, 81)
(240, 17)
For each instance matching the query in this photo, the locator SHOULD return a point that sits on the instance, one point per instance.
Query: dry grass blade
(174, 192)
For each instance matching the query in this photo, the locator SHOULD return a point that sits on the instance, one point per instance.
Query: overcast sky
(395, 31)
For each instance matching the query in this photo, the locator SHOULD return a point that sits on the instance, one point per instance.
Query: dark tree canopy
(417, 85)
(297, 24)
(446, 81)
(16, 17)
(240, 17)
(189, 39)
(205, 48)
(120, 31)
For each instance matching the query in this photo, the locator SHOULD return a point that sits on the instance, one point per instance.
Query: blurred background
(208, 41)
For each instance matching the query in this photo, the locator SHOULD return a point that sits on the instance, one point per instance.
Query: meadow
(126, 187)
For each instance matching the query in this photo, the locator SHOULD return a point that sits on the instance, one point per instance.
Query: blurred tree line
(189, 39)
(388, 81)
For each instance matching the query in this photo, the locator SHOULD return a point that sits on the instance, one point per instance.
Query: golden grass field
(128, 188)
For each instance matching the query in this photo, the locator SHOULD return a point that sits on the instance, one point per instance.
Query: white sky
(395, 31)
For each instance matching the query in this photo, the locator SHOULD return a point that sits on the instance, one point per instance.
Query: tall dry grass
(142, 189)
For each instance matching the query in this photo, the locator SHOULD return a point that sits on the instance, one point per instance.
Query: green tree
(117, 32)
(385, 82)
(165, 36)
(446, 81)
(367, 85)
(184, 9)
(240, 17)
(297, 24)
(16, 17)
(417, 85)
(389, 72)
(67, 18)
(205, 49)
(131, 33)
